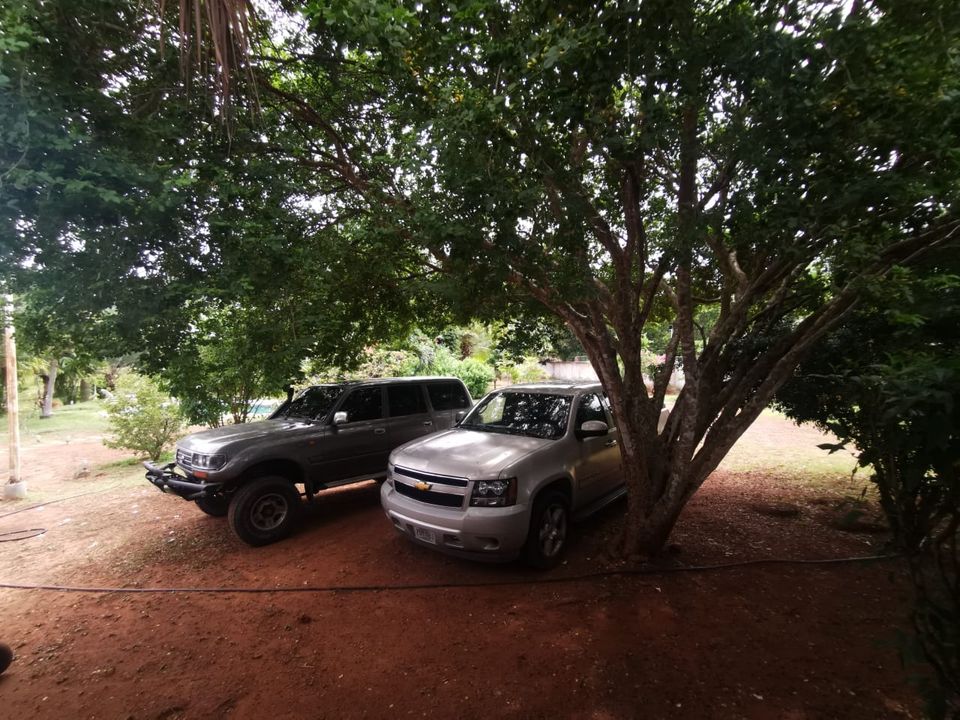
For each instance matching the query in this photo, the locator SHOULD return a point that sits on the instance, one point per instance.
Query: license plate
(425, 535)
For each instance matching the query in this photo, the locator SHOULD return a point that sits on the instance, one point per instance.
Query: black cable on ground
(21, 534)
(545, 580)
(34, 532)
(59, 500)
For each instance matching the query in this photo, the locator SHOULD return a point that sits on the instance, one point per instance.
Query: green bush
(476, 375)
(529, 370)
(142, 417)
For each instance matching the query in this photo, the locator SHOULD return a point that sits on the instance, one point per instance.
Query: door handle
(427, 423)
(379, 431)
(610, 443)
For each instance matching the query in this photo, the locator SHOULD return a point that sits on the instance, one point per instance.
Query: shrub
(476, 375)
(142, 417)
(530, 370)
(888, 382)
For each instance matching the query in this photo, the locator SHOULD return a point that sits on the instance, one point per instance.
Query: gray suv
(508, 479)
(326, 436)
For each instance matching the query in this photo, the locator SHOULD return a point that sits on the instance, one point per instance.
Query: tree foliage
(888, 382)
(133, 221)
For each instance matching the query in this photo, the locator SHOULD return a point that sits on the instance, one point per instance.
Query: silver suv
(327, 436)
(506, 481)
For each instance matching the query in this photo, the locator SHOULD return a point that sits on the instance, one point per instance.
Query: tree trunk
(86, 391)
(49, 385)
(656, 492)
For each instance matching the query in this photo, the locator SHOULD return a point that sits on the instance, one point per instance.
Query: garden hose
(546, 580)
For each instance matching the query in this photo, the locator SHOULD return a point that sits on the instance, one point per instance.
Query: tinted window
(312, 403)
(364, 404)
(448, 396)
(406, 400)
(521, 413)
(590, 409)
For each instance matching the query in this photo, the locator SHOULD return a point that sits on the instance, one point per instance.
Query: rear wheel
(265, 510)
(547, 538)
(214, 505)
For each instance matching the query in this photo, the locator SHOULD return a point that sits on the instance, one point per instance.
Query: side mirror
(339, 418)
(458, 418)
(593, 428)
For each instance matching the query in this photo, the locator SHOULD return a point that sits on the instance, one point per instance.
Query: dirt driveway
(761, 641)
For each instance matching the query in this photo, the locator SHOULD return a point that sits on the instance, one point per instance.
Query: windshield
(521, 413)
(314, 403)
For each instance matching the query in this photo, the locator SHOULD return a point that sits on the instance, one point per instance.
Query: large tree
(739, 170)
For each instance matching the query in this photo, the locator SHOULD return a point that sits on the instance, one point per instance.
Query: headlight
(201, 461)
(494, 493)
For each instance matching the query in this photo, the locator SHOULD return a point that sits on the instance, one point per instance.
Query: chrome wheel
(553, 529)
(269, 512)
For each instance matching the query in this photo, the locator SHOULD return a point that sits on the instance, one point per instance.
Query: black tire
(549, 526)
(215, 505)
(265, 510)
(6, 657)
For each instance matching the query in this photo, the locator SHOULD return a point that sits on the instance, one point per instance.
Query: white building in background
(571, 370)
(581, 369)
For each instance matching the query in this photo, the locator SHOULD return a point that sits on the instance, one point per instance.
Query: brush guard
(167, 480)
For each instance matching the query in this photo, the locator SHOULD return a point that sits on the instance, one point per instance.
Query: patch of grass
(777, 446)
(83, 418)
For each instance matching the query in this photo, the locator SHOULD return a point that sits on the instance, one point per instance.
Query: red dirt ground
(763, 641)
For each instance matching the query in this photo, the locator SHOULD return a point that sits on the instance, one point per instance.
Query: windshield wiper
(472, 426)
(299, 416)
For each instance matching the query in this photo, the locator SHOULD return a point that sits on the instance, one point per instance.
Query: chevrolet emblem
(420, 485)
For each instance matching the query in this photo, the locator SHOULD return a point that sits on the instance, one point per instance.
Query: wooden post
(13, 403)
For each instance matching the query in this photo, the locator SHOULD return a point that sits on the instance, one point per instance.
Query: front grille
(184, 459)
(428, 496)
(430, 477)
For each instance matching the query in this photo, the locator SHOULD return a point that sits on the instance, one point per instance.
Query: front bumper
(478, 533)
(167, 480)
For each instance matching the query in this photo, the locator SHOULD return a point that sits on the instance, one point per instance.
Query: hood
(216, 439)
(472, 454)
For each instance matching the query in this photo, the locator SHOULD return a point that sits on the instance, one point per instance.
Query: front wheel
(547, 538)
(264, 511)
